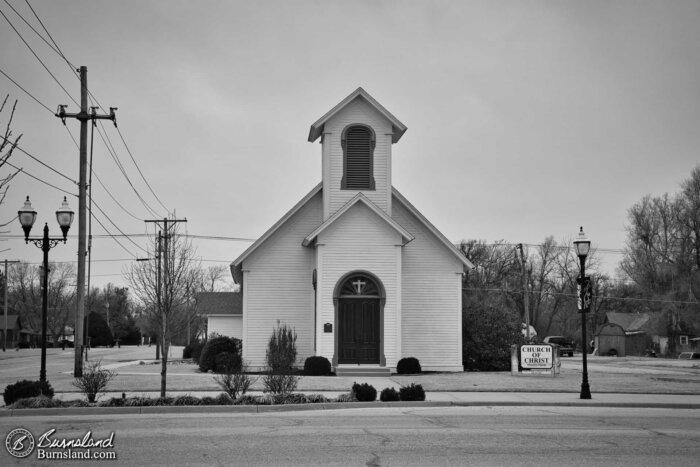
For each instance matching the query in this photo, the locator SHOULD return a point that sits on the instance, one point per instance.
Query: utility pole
(166, 299)
(526, 294)
(83, 116)
(4, 336)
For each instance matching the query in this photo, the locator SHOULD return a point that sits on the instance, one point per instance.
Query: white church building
(360, 274)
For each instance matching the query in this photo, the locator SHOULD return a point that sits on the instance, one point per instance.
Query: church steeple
(356, 137)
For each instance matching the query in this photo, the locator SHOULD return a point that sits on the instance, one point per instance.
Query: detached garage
(223, 311)
(613, 340)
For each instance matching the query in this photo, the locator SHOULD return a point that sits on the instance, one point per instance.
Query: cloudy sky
(525, 118)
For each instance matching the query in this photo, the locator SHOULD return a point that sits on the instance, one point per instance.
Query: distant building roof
(628, 321)
(219, 303)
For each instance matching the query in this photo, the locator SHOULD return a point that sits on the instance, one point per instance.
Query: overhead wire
(39, 59)
(58, 49)
(26, 92)
(21, 170)
(24, 151)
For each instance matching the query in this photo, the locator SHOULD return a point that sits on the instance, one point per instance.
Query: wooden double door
(359, 330)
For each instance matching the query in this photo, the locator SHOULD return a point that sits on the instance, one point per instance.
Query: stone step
(383, 372)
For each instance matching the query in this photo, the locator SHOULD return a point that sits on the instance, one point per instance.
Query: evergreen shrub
(389, 395)
(317, 366)
(412, 392)
(25, 388)
(364, 392)
(215, 346)
(193, 350)
(282, 349)
(408, 366)
(227, 363)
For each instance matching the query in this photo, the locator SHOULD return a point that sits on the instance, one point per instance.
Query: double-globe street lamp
(27, 216)
(583, 246)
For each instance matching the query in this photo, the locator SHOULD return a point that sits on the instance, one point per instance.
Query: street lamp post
(583, 246)
(27, 216)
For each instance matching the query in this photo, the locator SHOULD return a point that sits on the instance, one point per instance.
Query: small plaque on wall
(327, 327)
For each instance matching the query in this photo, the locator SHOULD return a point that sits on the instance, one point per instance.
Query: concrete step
(378, 371)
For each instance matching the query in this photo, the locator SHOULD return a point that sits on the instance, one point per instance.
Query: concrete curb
(327, 406)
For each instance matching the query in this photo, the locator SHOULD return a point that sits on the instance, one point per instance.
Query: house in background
(222, 311)
(20, 332)
(360, 274)
(625, 334)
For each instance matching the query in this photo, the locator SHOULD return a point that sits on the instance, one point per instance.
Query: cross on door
(359, 283)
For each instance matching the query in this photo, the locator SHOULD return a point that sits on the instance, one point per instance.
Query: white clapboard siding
(431, 293)
(279, 276)
(358, 111)
(228, 325)
(358, 241)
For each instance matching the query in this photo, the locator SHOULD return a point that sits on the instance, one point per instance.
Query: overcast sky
(525, 118)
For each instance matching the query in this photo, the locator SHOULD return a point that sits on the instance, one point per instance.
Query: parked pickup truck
(566, 346)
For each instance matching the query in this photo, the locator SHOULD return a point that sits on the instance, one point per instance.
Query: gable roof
(219, 303)
(358, 198)
(450, 246)
(398, 128)
(237, 262)
(628, 321)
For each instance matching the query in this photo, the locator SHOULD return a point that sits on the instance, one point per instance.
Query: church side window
(358, 158)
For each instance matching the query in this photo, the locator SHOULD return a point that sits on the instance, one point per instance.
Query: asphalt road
(385, 436)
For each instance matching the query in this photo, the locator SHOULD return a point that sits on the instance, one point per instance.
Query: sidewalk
(615, 382)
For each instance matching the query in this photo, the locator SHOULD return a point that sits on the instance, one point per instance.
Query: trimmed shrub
(206, 400)
(223, 399)
(389, 395)
(227, 363)
(94, 380)
(348, 397)
(412, 392)
(215, 346)
(280, 399)
(193, 350)
(316, 399)
(408, 366)
(317, 366)
(38, 402)
(25, 388)
(364, 392)
(187, 399)
(282, 349)
(163, 401)
(280, 384)
(246, 400)
(113, 402)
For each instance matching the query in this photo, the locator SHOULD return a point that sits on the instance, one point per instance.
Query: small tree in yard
(281, 355)
(94, 380)
(282, 349)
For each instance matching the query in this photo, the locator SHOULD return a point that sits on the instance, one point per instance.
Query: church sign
(536, 356)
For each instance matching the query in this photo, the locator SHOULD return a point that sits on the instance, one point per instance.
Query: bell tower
(356, 139)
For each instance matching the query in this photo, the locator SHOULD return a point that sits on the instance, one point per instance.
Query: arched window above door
(358, 143)
(359, 285)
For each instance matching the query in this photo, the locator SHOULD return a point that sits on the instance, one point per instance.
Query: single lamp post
(583, 246)
(27, 216)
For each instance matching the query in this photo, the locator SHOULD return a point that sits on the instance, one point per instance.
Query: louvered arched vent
(358, 155)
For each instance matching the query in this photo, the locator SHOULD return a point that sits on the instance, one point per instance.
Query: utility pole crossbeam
(4, 335)
(83, 116)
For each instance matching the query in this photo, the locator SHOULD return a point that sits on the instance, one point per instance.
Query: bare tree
(162, 286)
(6, 148)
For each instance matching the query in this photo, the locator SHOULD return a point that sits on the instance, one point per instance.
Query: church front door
(358, 331)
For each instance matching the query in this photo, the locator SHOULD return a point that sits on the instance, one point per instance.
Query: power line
(39, 179)
(58, 49)
(26, 92)
(115, 226)
(40, 161)
(139, 169)
(32, 27)
(37, 57)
